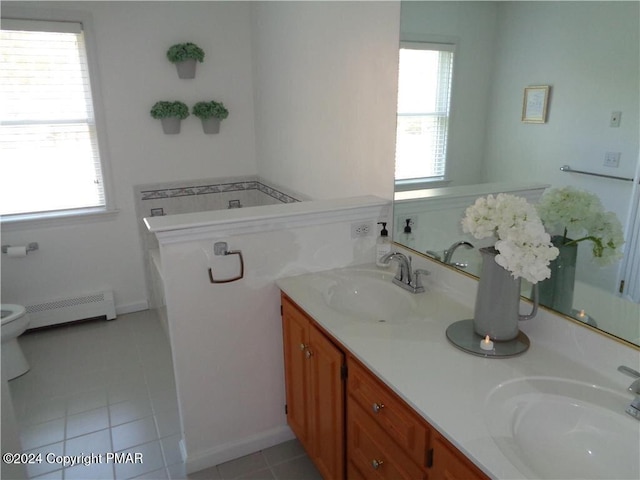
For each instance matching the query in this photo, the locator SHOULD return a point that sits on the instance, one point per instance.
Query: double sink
(547, 427)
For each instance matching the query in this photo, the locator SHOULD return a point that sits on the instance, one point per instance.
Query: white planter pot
(171, 125)
(211, 125)
(187, 69)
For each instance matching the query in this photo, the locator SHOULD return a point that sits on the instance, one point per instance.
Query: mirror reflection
(477, 127)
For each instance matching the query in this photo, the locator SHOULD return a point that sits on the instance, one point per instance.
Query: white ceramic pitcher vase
(498, 300)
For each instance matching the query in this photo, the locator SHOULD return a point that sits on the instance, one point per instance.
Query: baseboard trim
(229, 451)
(132, 307)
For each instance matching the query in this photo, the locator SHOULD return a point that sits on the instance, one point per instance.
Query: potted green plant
(211, 113)
(170, 114)
(185, 56)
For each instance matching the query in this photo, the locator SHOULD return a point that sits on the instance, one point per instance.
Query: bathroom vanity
(375, 390)
(386, 438)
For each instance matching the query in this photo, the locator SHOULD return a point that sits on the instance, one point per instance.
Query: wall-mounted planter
(185, 56)
(211, 125)
(187, 68)
(171, 126)
(170, 115)
(211, 113)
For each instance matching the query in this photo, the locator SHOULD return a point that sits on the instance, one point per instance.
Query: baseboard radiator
(70, 309)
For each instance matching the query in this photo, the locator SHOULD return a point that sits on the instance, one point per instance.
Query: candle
(582, 316)
(486, 343)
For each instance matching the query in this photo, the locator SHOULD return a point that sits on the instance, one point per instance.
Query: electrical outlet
(612, 159)
(614, 122)
(362, 229)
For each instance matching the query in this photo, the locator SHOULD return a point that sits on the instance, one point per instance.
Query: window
(424, 94)
(50, 161)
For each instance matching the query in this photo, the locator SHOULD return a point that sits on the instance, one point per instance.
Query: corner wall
(325, 80)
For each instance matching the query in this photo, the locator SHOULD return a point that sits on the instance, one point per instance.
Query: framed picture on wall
(534, 105)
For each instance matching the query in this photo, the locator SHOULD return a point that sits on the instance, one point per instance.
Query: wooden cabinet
(450, 464)
(385, 437)
(314, 377)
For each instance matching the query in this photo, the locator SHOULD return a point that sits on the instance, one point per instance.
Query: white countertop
(443, 384)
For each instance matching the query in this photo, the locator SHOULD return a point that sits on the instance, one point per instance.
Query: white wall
(326, 83)
(594, 73)
(227, 339)
(325, 88)
(132, 39)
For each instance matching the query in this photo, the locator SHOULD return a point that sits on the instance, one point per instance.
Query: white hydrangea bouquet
(569, 211)
(524, 247)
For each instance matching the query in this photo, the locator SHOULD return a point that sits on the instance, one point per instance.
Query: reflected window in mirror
(424, 97)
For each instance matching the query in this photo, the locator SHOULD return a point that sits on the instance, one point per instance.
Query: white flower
(524, 246)
(576, 213)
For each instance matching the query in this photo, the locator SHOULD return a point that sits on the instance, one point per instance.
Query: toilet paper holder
(30, 247)
(220, 248)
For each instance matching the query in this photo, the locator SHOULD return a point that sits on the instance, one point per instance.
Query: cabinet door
(327, 404)
(450, 464)
(296, 339)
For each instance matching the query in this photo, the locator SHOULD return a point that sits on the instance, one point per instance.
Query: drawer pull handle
(303, 347)
(377, 407)
(376, 464)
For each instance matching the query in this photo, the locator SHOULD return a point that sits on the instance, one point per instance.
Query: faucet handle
(629, 371)
(418, 279)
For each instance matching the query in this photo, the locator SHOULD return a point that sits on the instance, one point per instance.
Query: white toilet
(15, 321)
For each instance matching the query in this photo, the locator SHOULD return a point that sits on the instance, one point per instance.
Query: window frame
(56, 217)
(449, 44)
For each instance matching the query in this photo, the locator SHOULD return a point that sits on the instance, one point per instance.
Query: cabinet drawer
(372, 453)
(389, 412)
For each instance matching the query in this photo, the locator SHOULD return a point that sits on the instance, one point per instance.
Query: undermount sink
(369, 295)
(559, 428)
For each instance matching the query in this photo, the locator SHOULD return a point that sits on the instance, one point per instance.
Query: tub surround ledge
(198, 225)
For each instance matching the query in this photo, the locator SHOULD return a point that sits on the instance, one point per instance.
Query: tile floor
(108, 387)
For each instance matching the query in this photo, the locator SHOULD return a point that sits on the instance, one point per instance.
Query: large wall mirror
(497, 134)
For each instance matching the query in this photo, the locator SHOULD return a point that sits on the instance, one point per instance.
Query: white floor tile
(87, 422)
(162, 400)
(38, 411)
(85, 401)
(42, 434)
(134, 433)
(97, 471)
(168, 422)
(93, 443)
(42, 467)
(242, 466)
(171, 449)
(161, 474)
(130, 410)
(56, 475)
(127, 389)
(151, 460)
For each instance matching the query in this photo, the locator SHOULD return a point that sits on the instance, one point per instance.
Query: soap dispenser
(407, 236)
(383, 245)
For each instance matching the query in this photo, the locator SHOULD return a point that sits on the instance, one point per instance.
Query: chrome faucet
(634, 407)
(404, 277)
(448, 253)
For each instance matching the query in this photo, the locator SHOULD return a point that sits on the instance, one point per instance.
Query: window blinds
(48, 138)
(424, 97)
